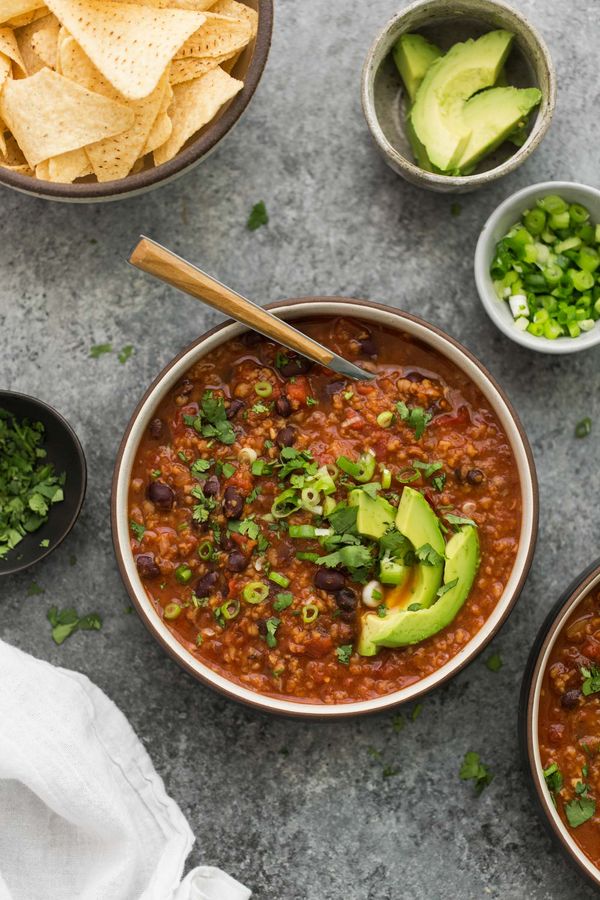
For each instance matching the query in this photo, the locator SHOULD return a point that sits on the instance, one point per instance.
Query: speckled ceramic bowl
(529, 712)
(248, 68)
(445, 22)
(291, 310)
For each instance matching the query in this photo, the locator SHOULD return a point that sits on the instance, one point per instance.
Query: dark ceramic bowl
(528, 718)
(65, 452)
(248, 68)
(291, 310)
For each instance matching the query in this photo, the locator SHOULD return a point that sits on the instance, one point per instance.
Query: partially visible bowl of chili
(241, 465)
(559, 719)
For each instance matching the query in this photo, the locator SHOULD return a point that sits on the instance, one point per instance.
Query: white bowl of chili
(557, 702)
(308, 666)
(512, 322)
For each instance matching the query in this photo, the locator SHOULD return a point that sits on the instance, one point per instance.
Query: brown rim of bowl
(159, 175)
(547, 634)
(541, 124)
(232, 693)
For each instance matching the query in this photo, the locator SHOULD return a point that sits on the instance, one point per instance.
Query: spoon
(156, 260)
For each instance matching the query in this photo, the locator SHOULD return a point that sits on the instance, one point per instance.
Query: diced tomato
(591, 649)
(297, 391)
(454, 420)
(318, 645)
(242, 479)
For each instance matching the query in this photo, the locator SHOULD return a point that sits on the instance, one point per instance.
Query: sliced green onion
(230, 609)
(278, 578)
(329, 505)
(302, 531)
(386, 479)
(579, 214)
(183, 574)
(263, 388)
(310, 612)
(247, 454)
(362, 470)
(255, 592)
(385, 419)
(205, 550)
(310, 497)
(305, 556)
(172, 611)
(285, 504)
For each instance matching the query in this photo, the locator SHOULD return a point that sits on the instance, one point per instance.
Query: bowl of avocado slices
(458, 93)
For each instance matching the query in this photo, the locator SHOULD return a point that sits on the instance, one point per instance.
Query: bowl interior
(64, 451)
(291, 310)
(501, 220)
(247, 66)
(445, 24)
(549, 634)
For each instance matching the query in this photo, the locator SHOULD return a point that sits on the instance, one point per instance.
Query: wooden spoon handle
(160, 262)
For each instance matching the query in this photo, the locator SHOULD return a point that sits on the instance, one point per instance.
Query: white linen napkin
(83, 813)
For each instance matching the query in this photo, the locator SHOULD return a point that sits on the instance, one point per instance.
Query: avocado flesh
(417, 521)
(492, 116)
(448, 83)
(400, 628)
(374, 515)
(413, 55)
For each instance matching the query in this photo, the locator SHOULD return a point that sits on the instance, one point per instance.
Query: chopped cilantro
(473, 769)
(99, 349)
(447, 587)
(430, 557)
(591, 680)
(199, 639)
(414, 607)
(416, 418)
(356, 559)
(125, 353)
(244, 526)
(261, 467)
(272, 625)
(580, 810)
(182, 454)
(398, 723)
(199, 467)
(258, 216)
(34, 589)
(211, 421)
(311, 401)
(348, 395)
(259, 408)
(381, 609)
(374, 753)
(65, 622)
(457, 521)
(553, 778)
(343, 518)
(45, 543)
(583, 428)
(344, 653)
(283, 600)
(28, 486)
(416, 711)
(228, 470)
(390, 771)
(205, 505)
(156, 473)
(138, 530)
(494, 662)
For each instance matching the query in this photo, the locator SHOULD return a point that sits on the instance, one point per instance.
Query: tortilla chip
(49, 115)
(68, 166)
(219, 36)
(162, 127)
(10, 9)
(131, 45)
(194, 5)
(25, 38)
(13, 159)
(114, 156)
(9, 47)
(194, 104)
(237, 11)
(44, 42)
(5, 69)
(194, 67)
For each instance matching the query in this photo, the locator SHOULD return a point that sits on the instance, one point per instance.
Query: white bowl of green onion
(537, 267)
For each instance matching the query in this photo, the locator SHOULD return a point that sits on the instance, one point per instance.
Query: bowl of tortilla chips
(101, 99)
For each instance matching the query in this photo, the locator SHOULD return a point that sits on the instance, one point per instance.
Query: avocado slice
(374, 515)
(448, 83)
(492, 116)
(417, 521)
(413, 55)
(401, 628)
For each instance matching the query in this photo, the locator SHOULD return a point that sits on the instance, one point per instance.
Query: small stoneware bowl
(374, 314)
(445, 22)
(502, 219)
(66, 453)
(248, 68)
(529, 714)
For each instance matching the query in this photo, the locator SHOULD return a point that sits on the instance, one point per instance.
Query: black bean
(225, 541)
(286, 436)
(334, 387)
(161, 495)
(185, 387)
(156, 427)
(146, 566)
(283, 407)
(234, 408)
(414, 377)
(207, 584)
(368, 346)
(329, 580)
(475, 476)
(211, 486)
(346, 600)
(233, 503)
(236, 561)
(570, 699)
(262, 627)
(297, 365)
(459, 475)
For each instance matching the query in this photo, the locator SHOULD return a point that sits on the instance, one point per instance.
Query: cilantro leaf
(199, 467)
(65, 622)
(205, 504)
(272, 625)
(356, 559)
(494, 662)
(553, 778)
(473, 769)
(99, 349)
(344, 654)
(283, 600)
(580, 810)
(416, 418)
(591, 680)
(126, 352)
(343, 518)
(430, 557)
(457, 521)
(138, 530)
(258, 217)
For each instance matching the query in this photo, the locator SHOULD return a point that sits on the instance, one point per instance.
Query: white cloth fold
(83, 813)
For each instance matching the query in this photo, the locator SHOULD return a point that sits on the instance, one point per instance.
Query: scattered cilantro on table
(98, 350)
(28, 486)
(583, 428)
(473, 769)
(494, 662)
(66, 622)
(258, 217)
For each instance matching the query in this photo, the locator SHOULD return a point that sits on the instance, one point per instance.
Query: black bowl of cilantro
(43, 478)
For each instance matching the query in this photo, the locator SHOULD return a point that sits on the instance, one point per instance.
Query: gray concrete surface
(302, 811)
